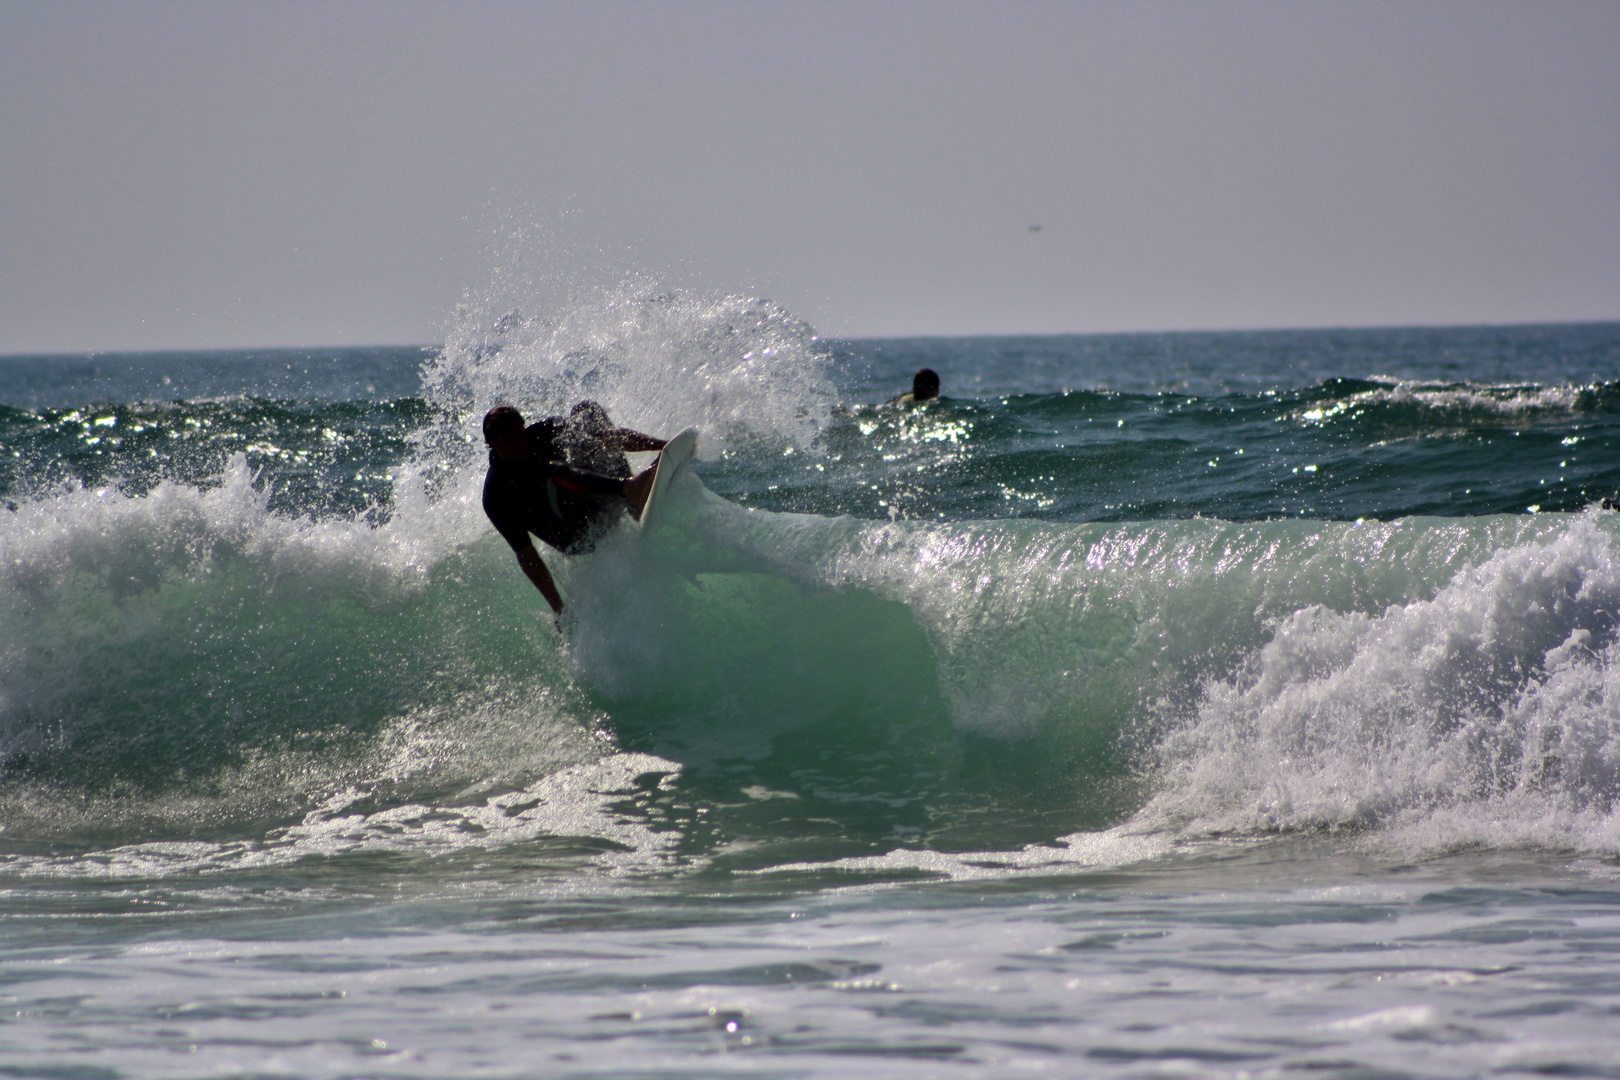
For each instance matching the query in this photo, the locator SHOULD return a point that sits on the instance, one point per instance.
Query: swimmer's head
(925, 384)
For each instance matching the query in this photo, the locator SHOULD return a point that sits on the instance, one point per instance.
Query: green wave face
(275, 624)
(806, 687)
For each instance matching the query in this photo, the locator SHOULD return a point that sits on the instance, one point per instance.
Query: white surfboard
(676, 453)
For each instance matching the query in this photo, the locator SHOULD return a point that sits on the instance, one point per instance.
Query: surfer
(924, 387)
(589, 440)
(534, 486)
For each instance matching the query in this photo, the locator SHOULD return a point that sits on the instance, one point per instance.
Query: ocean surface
(1197, 704)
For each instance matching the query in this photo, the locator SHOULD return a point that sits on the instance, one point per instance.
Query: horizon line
(428, 346)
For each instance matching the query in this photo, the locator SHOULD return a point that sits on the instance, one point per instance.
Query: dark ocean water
(1206, 704)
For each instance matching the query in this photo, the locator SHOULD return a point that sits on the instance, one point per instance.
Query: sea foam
(1488, 713)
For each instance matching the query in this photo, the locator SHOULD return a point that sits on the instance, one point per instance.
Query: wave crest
(1503, 690)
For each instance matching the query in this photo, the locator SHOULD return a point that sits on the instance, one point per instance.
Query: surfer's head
(503, 431)
(924, 385)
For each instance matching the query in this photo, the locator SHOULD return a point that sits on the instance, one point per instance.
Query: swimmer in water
(924, 387)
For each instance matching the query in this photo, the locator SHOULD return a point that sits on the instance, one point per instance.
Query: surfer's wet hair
(499, 418)
(925, 384)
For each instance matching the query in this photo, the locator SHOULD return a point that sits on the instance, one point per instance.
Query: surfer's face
(512, 442)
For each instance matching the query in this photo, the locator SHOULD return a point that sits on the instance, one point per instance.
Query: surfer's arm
(568, 478)
(623, 438)
(535, 567)
(634, 490)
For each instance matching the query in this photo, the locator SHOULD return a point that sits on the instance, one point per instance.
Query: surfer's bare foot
(636, 490)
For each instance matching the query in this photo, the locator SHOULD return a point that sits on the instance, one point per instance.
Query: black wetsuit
(566, 507)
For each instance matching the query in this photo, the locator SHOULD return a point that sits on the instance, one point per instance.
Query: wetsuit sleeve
(571, 479)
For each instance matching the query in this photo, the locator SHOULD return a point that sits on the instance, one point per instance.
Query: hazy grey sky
(225, 173)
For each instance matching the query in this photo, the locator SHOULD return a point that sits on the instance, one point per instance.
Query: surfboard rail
(676, 453)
